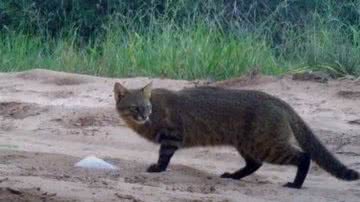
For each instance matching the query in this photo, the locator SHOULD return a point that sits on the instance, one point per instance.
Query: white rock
(93, 162)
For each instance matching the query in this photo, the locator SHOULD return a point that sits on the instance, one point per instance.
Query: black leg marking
(165, 154)
(250, 167)
(167, 135)
(170, 142)
(303, 169)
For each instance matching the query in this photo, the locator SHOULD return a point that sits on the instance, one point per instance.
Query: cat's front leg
(170, 141)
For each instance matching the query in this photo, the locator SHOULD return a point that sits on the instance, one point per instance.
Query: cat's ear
(147, 90)
(119, 91)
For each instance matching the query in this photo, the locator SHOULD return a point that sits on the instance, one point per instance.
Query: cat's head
(133, 104)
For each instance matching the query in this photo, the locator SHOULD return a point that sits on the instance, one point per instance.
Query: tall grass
(185, 40)
(195, 52)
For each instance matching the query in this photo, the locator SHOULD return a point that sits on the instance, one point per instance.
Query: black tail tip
(351, 175)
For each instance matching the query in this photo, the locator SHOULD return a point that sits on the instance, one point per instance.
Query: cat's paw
(291, 185)
(226, 175)
(154, 168)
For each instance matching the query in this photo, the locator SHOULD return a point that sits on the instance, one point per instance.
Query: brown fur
(258, 125)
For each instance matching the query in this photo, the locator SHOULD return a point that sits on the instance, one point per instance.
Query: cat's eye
(134, 108)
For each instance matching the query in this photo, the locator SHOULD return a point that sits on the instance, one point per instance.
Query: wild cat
(257, 124)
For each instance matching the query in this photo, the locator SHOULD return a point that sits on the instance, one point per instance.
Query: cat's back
(215, 99)
(221, 95)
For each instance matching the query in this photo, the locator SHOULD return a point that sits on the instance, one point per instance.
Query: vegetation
(185, 39)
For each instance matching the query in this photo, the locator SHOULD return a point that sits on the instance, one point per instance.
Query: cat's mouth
(141, 119)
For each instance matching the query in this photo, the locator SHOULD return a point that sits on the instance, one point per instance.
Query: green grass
(324, 47)
(199, 51)
(187, 39)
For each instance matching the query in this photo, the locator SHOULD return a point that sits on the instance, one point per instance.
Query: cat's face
(133, 104)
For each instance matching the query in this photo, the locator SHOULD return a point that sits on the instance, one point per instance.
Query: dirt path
(50, 120)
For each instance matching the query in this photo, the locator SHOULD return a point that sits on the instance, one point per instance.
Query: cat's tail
(318, 152)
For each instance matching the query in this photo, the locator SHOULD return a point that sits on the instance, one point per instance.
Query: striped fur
(258, 125)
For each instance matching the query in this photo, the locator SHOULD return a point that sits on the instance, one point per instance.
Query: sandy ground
(50, 120)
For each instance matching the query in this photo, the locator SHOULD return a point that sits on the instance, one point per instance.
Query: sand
(51, 120)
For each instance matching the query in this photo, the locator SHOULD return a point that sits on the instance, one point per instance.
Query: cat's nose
(144, 117)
